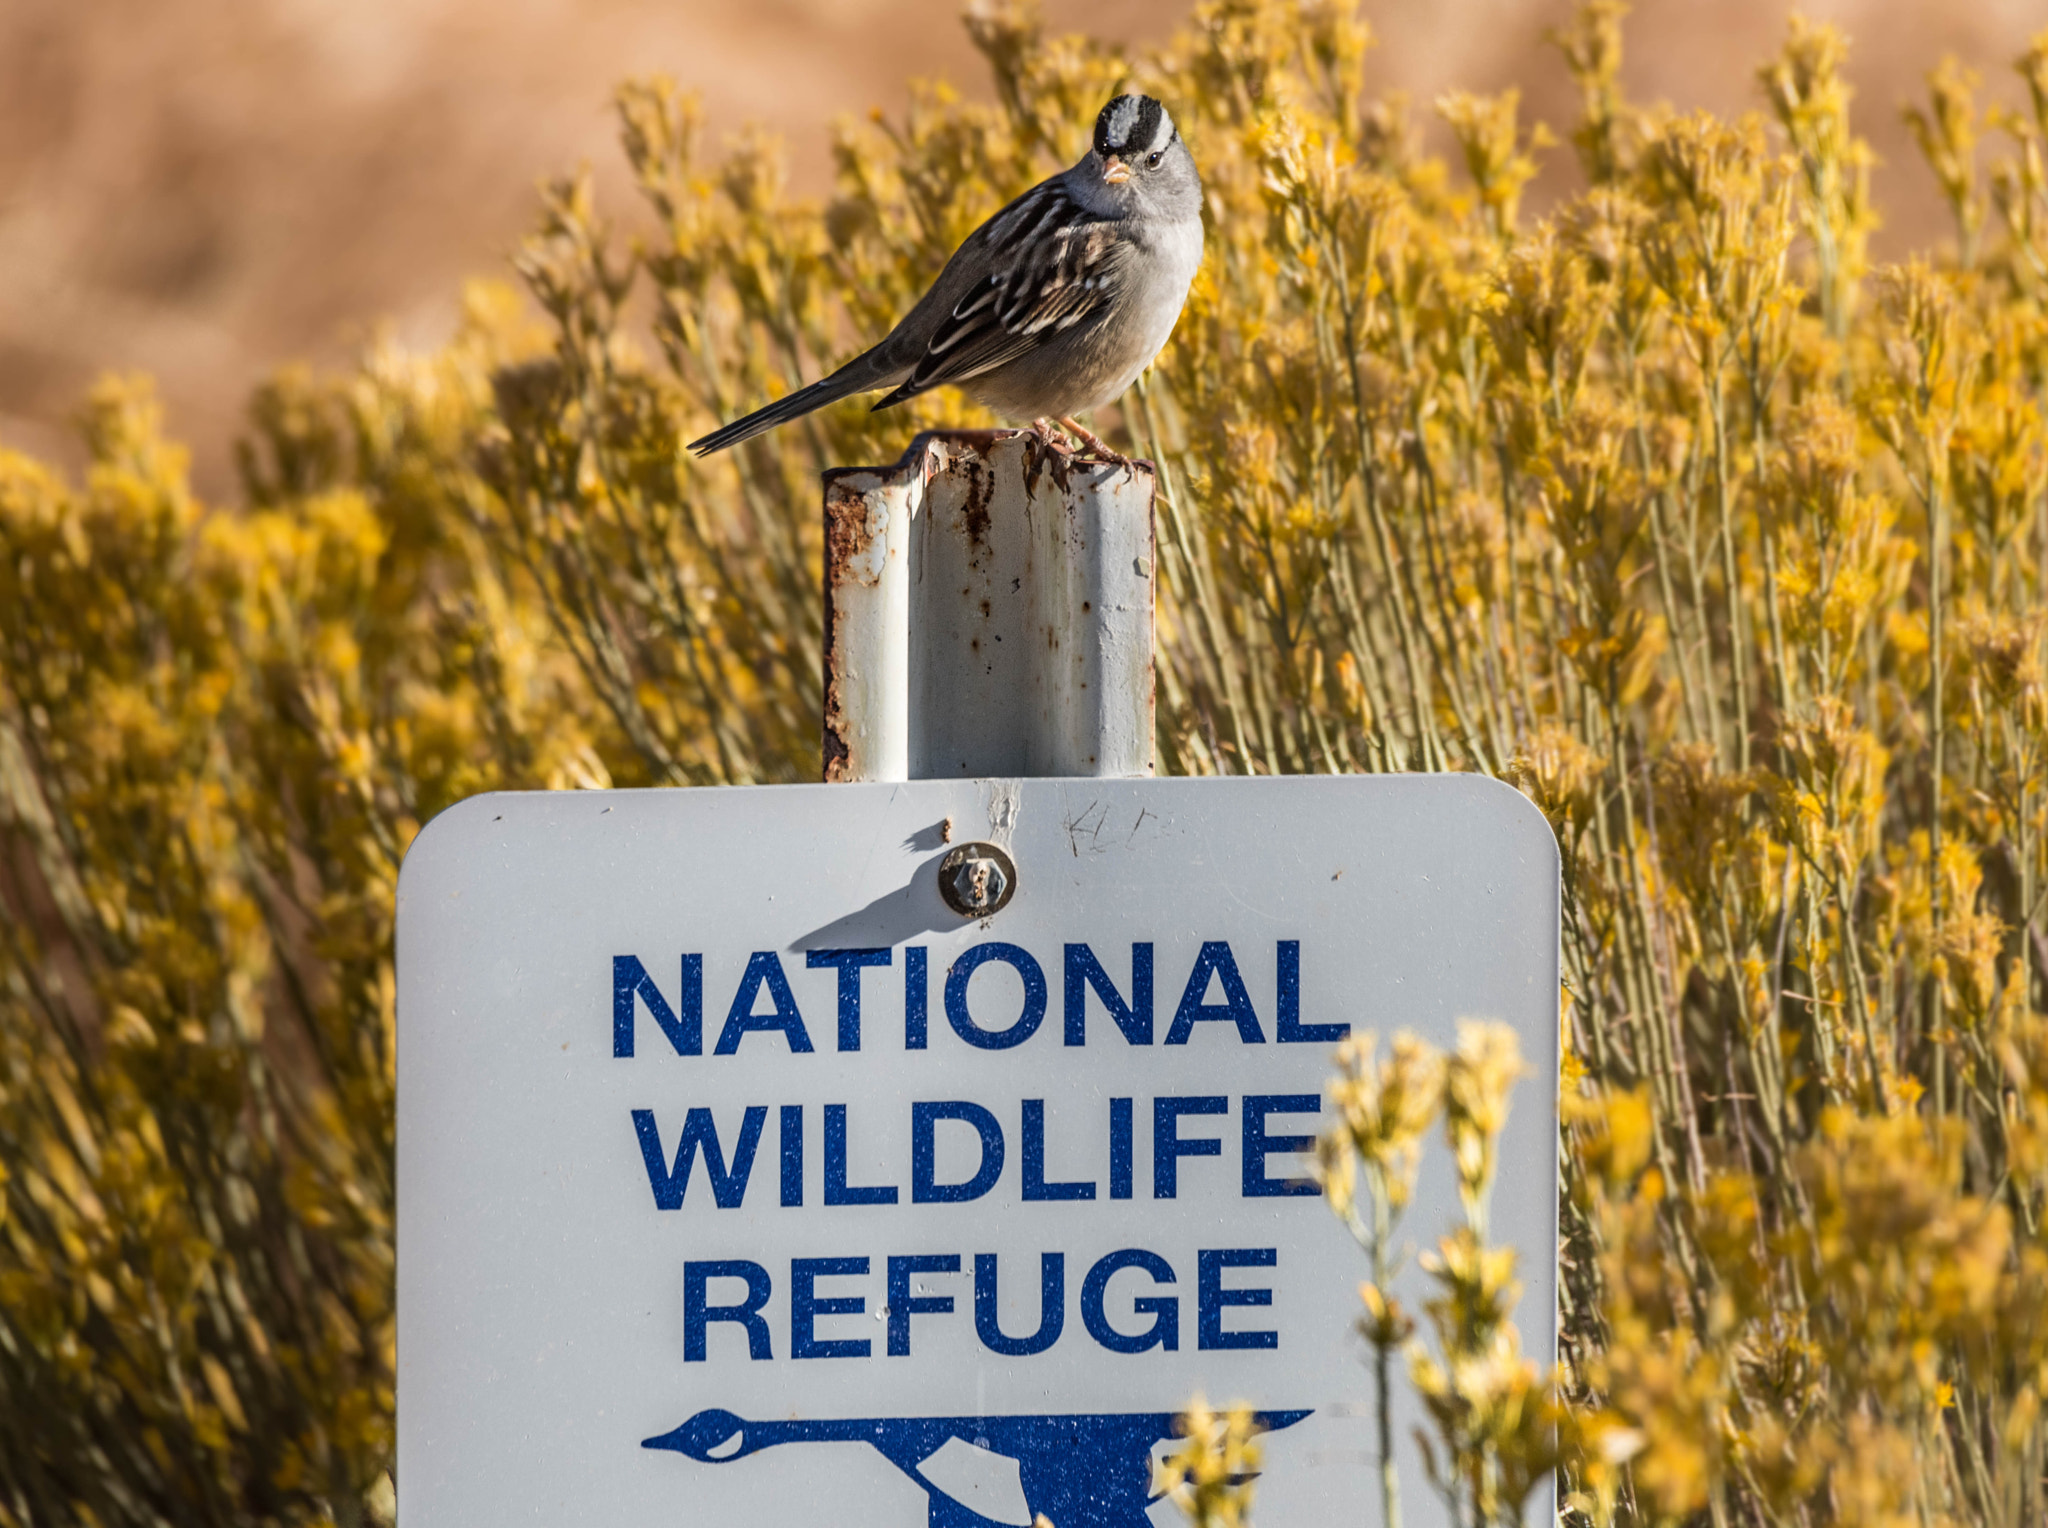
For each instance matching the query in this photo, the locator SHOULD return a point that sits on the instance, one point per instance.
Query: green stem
(1382, 1273)
(1936, 568)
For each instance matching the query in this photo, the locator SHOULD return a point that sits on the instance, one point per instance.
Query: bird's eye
(1152, 159)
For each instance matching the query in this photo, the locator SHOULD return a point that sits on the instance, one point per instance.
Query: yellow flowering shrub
(1726, 547)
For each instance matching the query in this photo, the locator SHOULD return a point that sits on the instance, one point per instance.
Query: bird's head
(712, 1436)
(1138, 158)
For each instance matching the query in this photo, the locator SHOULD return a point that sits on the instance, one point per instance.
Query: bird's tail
(860, 375)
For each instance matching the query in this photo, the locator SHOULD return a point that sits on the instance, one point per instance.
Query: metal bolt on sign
(977, 880)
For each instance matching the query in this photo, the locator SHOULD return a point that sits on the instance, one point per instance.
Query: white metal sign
(743, 1181)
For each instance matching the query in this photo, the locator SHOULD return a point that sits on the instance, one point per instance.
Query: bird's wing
(1054, 262)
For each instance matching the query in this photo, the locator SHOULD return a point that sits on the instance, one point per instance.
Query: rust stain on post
(848, 534)
(866, 524)
(981, 487)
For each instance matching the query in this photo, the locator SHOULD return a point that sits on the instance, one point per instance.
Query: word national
(764, 980)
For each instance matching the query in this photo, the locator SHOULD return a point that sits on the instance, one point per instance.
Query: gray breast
(1156, 304)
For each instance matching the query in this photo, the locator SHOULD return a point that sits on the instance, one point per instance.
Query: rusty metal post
(988, 612)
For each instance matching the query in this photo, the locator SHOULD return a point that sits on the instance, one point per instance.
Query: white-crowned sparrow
(1056, 303)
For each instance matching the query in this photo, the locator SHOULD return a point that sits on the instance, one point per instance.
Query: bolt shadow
(924, 840)
(890, 919)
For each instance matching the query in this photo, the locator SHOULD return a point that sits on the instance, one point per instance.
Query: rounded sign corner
(1520, 816)
(447, 833)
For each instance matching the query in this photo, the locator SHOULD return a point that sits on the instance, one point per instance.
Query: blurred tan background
(203, 189)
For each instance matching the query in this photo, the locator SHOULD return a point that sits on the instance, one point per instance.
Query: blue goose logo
(1080, 1471)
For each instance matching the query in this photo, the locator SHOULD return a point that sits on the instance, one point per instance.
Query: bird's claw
(1095, 446)
(1048, 435)
(1073, 439)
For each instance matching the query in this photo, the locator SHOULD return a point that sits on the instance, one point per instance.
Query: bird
(1075, 1469)
(1053, 306)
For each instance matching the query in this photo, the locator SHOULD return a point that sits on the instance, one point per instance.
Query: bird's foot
(1048, 434)
(1094, 445)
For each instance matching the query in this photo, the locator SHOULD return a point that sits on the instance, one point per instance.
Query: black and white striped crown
(1132, 125)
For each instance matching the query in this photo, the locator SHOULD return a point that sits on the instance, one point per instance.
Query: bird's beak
(1114, 171)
